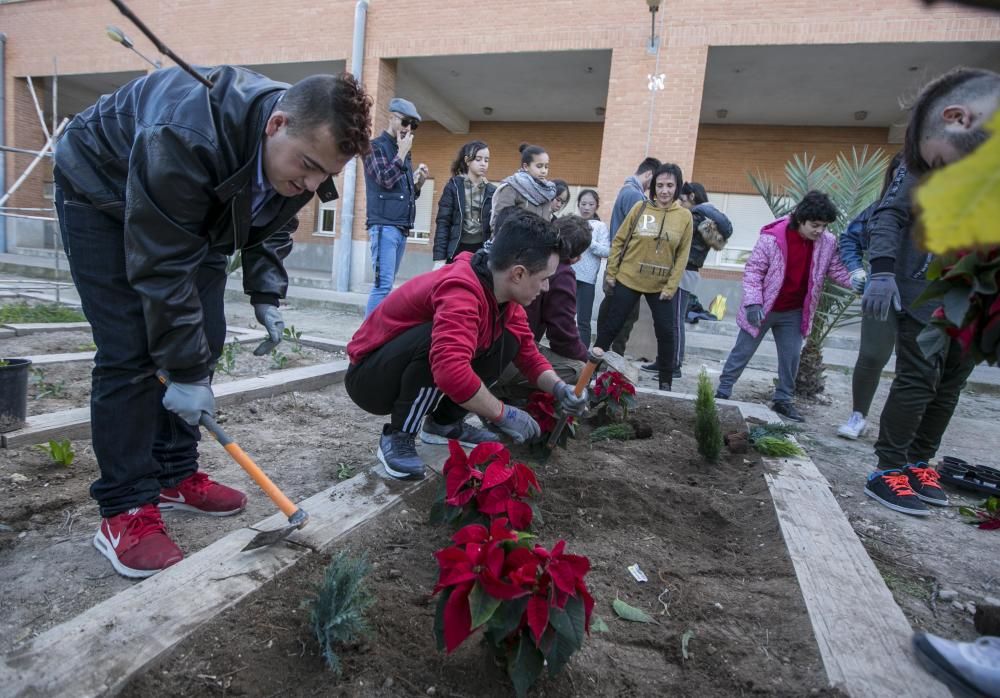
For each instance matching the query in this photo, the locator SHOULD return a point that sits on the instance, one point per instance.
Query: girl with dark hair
(528, 188)
(648, 256)
(589, 265)
(561, 198)
(782, 283)
(463, 215)
(878, 338)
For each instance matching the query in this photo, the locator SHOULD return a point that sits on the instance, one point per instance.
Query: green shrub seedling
(707, 430)
(61, 452)
(338, 612)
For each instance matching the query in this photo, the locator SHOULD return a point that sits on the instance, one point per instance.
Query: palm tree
(852, 183)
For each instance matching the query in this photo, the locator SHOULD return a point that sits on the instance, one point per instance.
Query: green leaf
(631, 613)
(502, 624)
(524, 665)
(992, 504)
(932, 341)
(956, 304)
(482, 605)
(563, 643)
(439, 618)
(967, 511)
(685, 639)
(437, 514)
(597, 625)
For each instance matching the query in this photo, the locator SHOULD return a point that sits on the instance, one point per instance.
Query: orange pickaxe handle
(593, 361)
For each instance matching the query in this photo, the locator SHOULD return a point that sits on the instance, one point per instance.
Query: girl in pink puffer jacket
(782, 284)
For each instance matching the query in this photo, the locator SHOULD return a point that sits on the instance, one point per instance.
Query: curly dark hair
(815, 206)
(575, 236)
(337, 102)
(670, 169)
(524, 238)
(466, 154)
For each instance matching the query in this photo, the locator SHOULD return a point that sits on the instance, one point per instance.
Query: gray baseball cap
(404, 107)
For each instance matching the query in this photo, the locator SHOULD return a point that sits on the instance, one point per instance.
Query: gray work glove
(189, 400)
(881, 296)
(568, 400)
(755, 315)
(518, 424)
(859, 277)
(270, 319)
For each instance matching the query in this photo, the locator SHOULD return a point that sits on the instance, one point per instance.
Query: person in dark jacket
(878, 338)
(552, 315)
(634, 190)
(392, 188)
(155, 185)
(712, 230)
(463, 214)
(946, 123)
(428, 355)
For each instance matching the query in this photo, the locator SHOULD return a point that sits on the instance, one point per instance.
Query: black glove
(189, 400)
(270, 318)
(518, 424)
(755, 315)
(881, 296)
(568, 400)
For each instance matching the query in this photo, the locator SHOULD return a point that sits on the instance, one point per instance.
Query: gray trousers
(786, 327)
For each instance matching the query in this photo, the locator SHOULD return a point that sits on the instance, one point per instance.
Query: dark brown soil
(706, 536)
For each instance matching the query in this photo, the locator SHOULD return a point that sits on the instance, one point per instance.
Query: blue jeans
(786, 327)
(584, 310)
(387, 244)
(140, 446)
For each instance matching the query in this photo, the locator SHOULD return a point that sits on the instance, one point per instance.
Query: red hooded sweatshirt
(466, 321)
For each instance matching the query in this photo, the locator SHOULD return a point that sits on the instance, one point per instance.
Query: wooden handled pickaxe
(595, 357)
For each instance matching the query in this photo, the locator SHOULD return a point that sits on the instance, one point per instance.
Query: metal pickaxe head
(266, 538)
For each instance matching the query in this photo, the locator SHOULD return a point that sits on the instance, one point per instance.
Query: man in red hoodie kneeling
(428, 354)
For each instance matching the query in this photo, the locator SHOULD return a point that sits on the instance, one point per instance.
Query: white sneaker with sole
(854, 427)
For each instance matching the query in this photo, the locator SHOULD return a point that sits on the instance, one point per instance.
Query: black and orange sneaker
(891, 488)
(203, 495)
(925, 483)
(136, 542)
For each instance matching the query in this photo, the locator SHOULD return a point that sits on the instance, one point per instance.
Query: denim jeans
(387, 244)
(786, 327)
(584, 310)
(140, 446)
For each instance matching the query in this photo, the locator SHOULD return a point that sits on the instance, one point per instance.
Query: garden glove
(755, 315)
(881, 296)
(517, 424)
(270, 318)
(609, 285)
(859, 277)
(438, 263)
(569, 401)
(189, 400)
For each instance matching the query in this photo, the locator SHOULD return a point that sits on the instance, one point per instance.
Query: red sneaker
(136, 542)
(201, 494)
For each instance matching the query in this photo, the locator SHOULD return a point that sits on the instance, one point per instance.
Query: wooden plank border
(862, 634)
(22, 329)
(75, 423)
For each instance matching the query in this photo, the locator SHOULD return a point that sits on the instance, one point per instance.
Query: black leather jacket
(451, 214)
(175, 162)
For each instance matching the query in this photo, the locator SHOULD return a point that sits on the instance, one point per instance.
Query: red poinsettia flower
(542, 407)
(463, 479)
(613, 385)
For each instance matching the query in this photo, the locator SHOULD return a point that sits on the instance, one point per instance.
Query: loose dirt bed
(707, 533)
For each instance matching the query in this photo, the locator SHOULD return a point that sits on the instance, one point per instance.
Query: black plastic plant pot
(13, 393)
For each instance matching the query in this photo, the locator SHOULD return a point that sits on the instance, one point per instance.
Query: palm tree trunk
(810, 380)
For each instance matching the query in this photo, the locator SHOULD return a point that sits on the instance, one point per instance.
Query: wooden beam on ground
(322, 343)
(5, 333)
(100, 650)
(75, 423)
(47, 359)
(25, 328)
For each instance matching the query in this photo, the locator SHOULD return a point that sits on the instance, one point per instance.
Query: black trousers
(621, 339)
(922, 398)
(396, 379)
(622, 303)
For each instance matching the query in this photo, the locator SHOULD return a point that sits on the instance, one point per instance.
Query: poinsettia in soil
(615, 396)
(542, 407)
(532, 604)
(485, 484)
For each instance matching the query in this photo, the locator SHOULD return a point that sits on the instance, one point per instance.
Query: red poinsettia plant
(485, 484)
(542, 407)
(532, 604)
(615, 396)
(967, 284)
(985, 516)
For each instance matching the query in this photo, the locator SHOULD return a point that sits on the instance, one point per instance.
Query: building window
(748, 214)
(326, 223)
(49, 191)
(422, 222)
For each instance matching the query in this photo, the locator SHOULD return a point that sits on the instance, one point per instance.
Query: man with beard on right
(946, 124)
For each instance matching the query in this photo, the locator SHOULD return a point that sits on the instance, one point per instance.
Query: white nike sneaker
(854, 427)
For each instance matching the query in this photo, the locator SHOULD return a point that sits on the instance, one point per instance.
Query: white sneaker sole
(931, 500)
(437, 440)
(849, 433)
(179, 506)
(104, 546)
(397, 474)
(896, 507)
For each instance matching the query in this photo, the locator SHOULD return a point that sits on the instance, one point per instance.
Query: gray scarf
(534, 191)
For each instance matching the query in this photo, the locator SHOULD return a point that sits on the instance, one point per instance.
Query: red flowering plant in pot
(967, 286)
(614, 396)
(531, 603)
(485, 484)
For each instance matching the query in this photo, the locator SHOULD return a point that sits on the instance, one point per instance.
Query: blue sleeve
(852, 249)
(626, 200)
